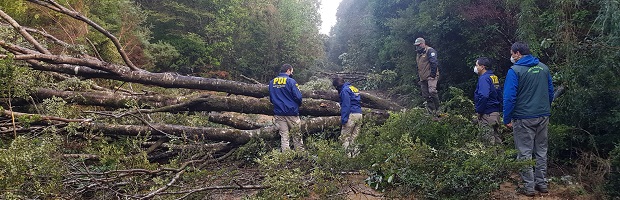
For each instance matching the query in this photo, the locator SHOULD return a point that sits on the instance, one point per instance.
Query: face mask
(475, 70)
(419, 49)
(512, 60)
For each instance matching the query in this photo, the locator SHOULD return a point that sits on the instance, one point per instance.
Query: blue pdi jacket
(350, 101)
(487, 97)
(284, 95)
(528, 91)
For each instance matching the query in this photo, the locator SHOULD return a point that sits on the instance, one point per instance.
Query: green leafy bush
(459, 103)
(31, 168)
(284, 174)
(294, 174)
(317, 84)
(252, 151)
(385, 79)
(435, 160)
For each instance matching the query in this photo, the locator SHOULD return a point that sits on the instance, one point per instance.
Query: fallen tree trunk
(236, 121)
(240, 104)
(108, 99)
(89, 67)
(235, 136)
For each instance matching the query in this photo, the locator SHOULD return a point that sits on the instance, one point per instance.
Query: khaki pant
(292, 124)
(490, 126)
(349, 132)
(428, 88)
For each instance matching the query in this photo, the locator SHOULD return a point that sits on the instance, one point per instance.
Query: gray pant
(428, 88)
(292, 123)
(489, 123)
(531, 139)
(349, 132)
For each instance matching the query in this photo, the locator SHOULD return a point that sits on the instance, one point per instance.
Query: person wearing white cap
(428, 71)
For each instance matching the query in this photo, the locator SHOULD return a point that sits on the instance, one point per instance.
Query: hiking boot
(529, 193)
(542, 189)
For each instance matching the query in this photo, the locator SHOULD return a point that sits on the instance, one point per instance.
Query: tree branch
(24, 33)
(76, 15)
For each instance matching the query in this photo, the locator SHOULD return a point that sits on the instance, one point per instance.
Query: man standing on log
(286, 99)
(428, 71)
(350, 114)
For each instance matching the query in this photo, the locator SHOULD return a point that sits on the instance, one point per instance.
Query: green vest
(532, 91)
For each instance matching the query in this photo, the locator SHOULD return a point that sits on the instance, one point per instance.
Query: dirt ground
(507, 191)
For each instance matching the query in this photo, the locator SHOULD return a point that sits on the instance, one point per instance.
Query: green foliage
(31, 168)
(316, 171)
(163, 54)
(284, 174)
(385, 79)
(435, 160)
(459, 104)
(330, 156)
(253, 150)
(16, 81)
(316, 83)
(587, 102)
(122, 154)
(15, 8)
(26, 120)
(56, 106)
(74, 84)
(252, 38)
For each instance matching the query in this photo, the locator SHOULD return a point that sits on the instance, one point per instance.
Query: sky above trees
(328, 15)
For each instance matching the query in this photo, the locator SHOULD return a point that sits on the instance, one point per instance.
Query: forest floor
(357, 190)
(353, 187)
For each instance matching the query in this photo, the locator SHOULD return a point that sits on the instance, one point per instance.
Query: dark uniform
(286, 99)
(428, 72)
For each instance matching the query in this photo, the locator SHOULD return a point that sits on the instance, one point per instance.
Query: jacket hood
(346, 84)
(528, 61)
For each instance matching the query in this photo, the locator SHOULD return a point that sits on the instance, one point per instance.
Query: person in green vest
(528, 93)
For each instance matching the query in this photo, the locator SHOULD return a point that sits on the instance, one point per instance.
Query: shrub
(316, 83)
(435, 160)
(459, 104)
(252, 151)
(295, 174)
(284, 174)
(31, 168)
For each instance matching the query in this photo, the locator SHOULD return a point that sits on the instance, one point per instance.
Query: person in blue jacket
(487, 101)
(528, 93)
(350, 114)
(285, 96)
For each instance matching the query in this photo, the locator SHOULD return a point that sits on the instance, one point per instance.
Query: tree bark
(240, 104)
(235, 136)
